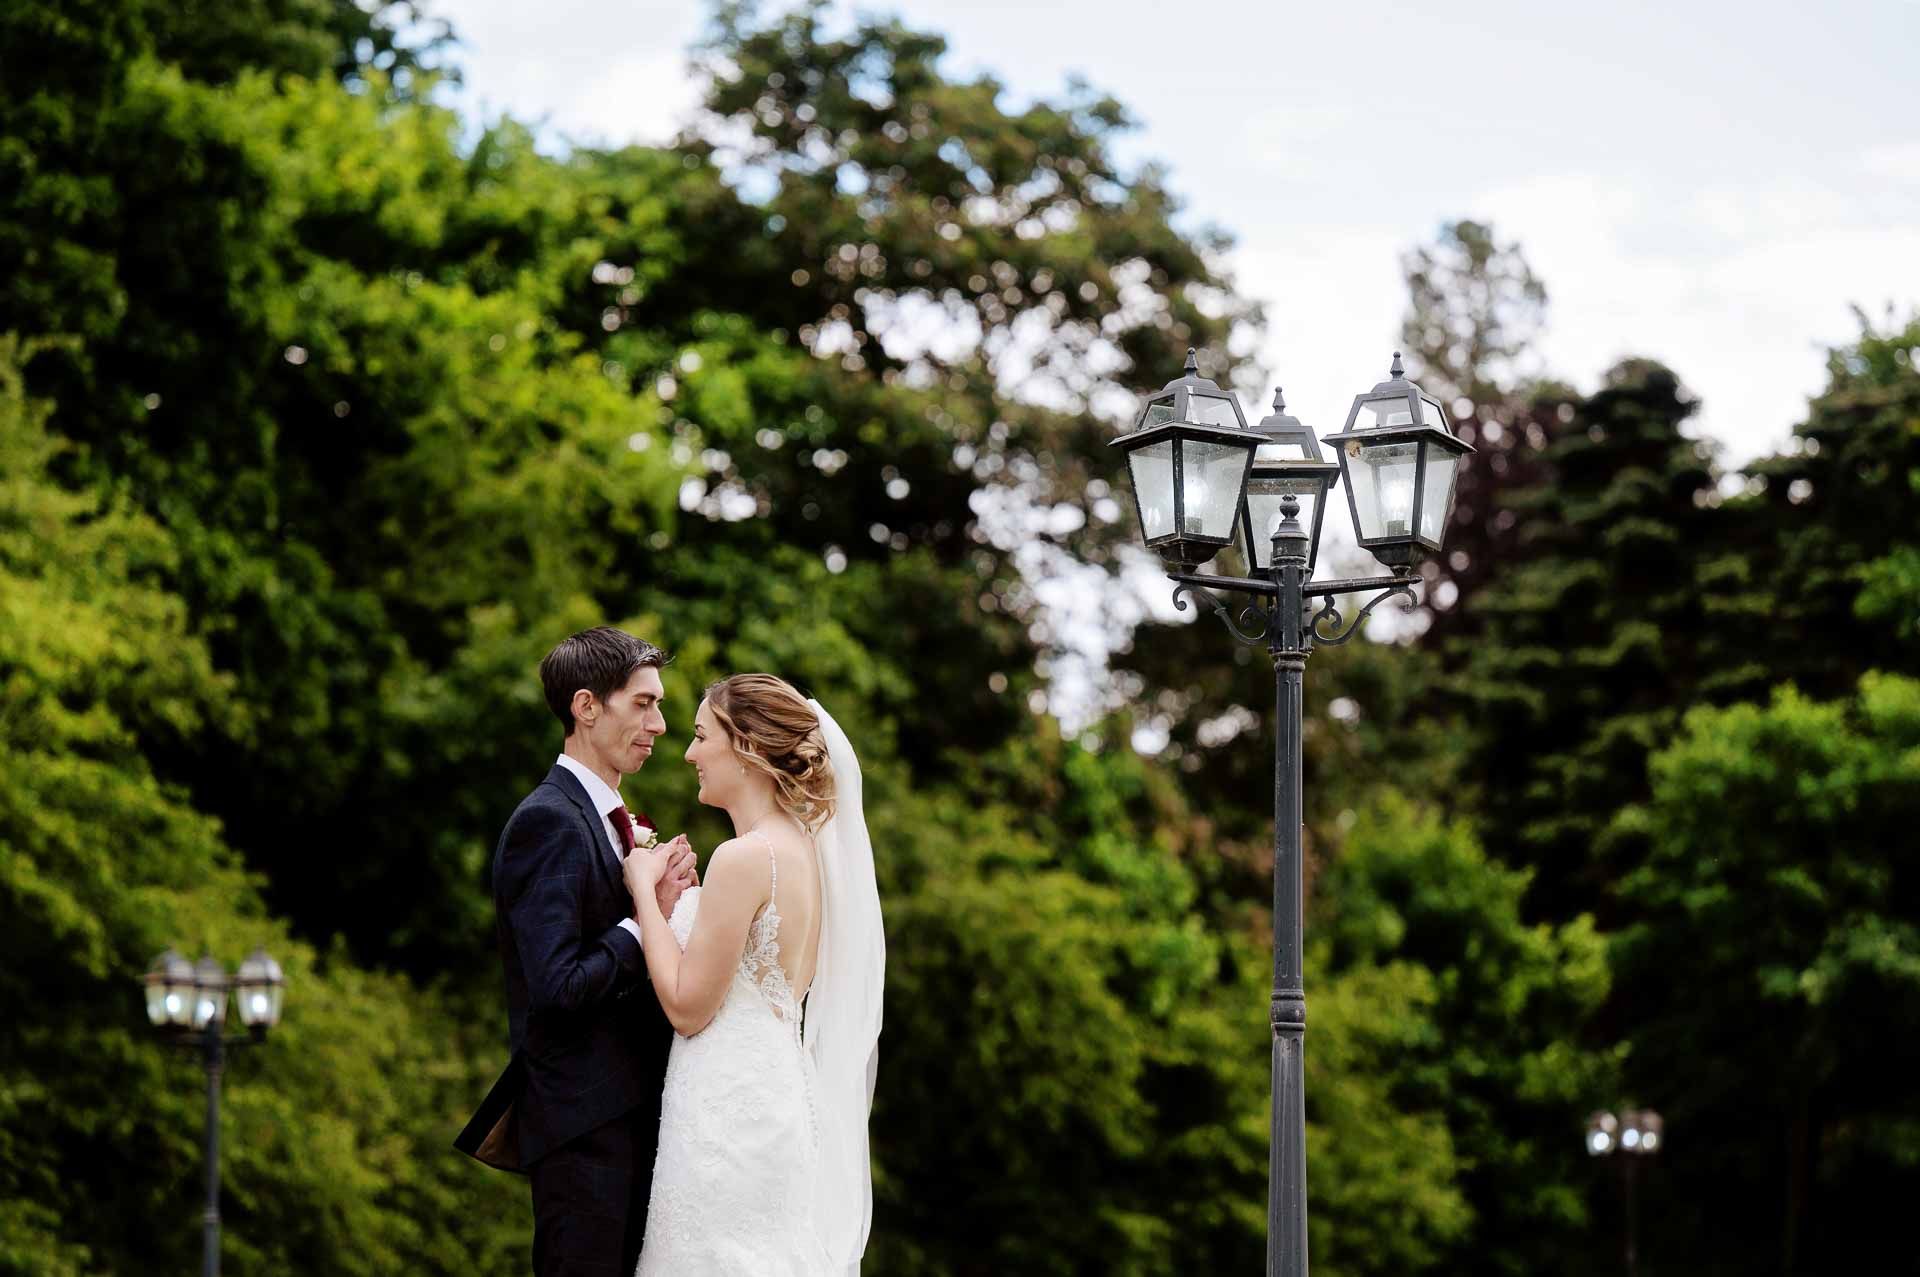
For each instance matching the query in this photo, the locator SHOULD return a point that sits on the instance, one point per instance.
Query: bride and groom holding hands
(693, 1063)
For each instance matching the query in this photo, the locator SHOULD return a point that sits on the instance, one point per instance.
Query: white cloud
(1897, 161)
(1738, 287)
(591, 71)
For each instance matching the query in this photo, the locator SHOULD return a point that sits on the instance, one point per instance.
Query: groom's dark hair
(601, 660)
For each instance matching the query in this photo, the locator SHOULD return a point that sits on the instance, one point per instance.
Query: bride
(771, 974)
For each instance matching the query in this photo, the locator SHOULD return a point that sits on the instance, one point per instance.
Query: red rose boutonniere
(645, 834)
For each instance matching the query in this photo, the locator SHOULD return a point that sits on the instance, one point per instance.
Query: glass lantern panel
(1158, 413)
(1212, 475)
(256, 1005)
(1292, 450)
(1382, 477)
(1152, 469)
(1263, 511)
(177, 999)
(209, 1007)
(157, 1002)
(1204, 410)
(1436, 500)
(1387, 412)
(1431, 413)
(249, 990)
(209, 993)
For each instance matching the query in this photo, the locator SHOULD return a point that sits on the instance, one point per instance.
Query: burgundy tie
(622, 821)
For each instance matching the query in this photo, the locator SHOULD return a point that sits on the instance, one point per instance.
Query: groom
(579, 1105)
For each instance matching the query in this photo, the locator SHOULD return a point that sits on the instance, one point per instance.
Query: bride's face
(714, 762)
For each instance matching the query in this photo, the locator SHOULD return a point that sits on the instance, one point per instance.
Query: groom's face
(623, 731)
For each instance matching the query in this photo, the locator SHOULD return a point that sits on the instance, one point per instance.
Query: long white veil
(842, 1024)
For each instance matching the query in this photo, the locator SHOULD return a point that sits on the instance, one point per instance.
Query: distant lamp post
(188, 1001)
(1633, 1135)
(1200, 477)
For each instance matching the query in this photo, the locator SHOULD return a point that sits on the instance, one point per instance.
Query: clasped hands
(666, 870)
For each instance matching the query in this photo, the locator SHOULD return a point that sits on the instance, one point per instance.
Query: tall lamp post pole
(213, 1057)
(1202, 479)
(188, 1002)
(1633, 1135)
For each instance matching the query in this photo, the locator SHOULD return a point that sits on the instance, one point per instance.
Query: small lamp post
(1398, 457)
(188, 1002)
(1631, 1136)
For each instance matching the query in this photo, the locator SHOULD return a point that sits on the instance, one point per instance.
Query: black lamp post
(1399, 461)
(188, 1002)
(1633, 1135)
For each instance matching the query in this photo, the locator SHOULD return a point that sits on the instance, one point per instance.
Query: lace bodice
(761, 965)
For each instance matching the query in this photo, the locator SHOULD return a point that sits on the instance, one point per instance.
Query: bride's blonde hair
(773, 730)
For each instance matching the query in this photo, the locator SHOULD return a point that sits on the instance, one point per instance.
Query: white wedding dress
(735, 1176)
(763, 1166)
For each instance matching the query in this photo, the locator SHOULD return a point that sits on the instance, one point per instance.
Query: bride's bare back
(793, 884)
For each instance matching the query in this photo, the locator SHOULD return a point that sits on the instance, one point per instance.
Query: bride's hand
(643, 870)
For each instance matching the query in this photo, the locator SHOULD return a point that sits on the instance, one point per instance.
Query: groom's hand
(682, 872)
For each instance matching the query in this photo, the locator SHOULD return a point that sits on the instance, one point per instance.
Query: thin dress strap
(773, 864)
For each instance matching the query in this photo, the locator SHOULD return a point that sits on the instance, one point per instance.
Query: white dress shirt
(604, 800)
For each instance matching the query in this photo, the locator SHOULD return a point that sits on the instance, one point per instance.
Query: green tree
(334, 1158)
(1828, 525)
(1594, 637)
(1080, 1082)
(408, 412)
(1784, 883)
(1480, 1015)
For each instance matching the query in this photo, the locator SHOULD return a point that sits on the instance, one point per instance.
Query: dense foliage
(318, 425)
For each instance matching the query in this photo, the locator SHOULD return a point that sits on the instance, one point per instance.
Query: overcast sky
(1710, 184)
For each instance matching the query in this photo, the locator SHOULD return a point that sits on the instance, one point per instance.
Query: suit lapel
(570, 785)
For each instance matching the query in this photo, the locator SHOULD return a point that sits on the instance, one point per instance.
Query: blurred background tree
(322, 419)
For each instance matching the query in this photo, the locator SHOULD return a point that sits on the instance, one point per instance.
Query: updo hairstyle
(773, 730)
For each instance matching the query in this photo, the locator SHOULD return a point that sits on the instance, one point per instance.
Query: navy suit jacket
(589, 1038)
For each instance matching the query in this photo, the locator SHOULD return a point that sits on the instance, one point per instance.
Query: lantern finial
(1279, 400)
(1397, 370)
(1193, 364)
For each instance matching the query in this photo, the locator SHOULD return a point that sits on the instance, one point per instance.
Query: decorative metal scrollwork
(1329, 615)
(1257, 619)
